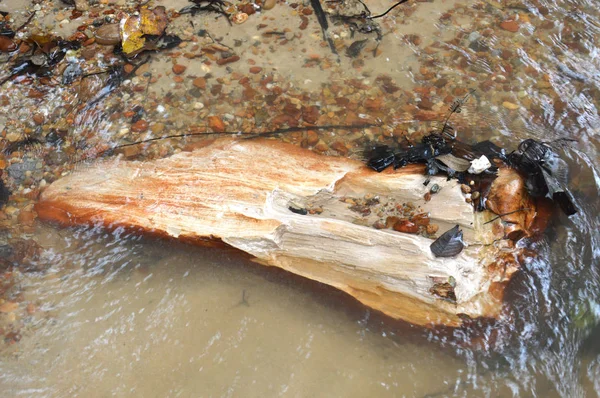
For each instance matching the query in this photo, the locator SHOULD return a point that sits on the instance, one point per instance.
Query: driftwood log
(252, 194)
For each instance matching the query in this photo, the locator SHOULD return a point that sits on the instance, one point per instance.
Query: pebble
(216, 124)
(198, 105)
(140, 126)
(511, 26)
(178, 69)
(13, 137)
(7, 45)
(108, 35)
(510, 105)
(8, 306)
(199, 82)
(406, 227)
(269, 4)
(432, 229)
(255, 69)
(312, 137)
(239, 18)
(157, 128)
(465, 188)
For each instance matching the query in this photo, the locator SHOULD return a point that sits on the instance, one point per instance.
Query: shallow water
(129, 316)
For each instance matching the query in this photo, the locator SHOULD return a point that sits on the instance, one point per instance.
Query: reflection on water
(118, 315)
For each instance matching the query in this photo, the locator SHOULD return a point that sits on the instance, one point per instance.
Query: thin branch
(248, 136)
(506, 214)
(389, 9)
(26, 22)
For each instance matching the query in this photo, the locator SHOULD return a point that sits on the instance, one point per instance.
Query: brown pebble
(108, 34)
(465, 188)
(420, 219)
(391, 221)
(216, 124)
(30, 308)
(432, 229)
(200, 82)
(157, 128)
(178, 69)
(321, 146)
(406, 226)
(228, 60)
(8, 306)
(475, 195)
(128, 68)
(38, 118)
(7, 45)
(427, 196)
(511, 26)
(140, 126)
(379, 224)
(340, 147)
(312, 137)
(255, 69)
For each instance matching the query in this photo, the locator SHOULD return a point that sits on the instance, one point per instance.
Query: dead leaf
(134, 28)
(153, 22)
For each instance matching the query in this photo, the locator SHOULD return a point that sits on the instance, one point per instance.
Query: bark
(241, 192)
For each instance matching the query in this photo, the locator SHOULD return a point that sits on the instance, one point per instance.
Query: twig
(249, 136)
(389, 9)
(506, 214)
(26, 22)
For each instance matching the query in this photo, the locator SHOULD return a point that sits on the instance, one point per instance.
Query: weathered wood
(240, 193)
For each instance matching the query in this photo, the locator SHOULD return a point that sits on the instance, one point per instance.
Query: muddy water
(116, 315)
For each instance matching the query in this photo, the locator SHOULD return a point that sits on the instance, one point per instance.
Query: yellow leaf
(132, 38)
(153, 22)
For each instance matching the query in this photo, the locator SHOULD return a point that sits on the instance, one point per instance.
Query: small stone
(479, 165)
(269, 4)
(30, 308)
(406, 226)
(7, 45)
(340, 147)
(140, 126)
(228, 60)
(198, 105)
(13, 136)
(379, 224)
(239, 18)
(8, 306)
(465, 188)
(216, 124)
(475, 195)
(511, 26)
(38, 119)
(435, 188)
(108, 34)
(420, 219)
(200, 82)
(312, 137)
(255, 69)
(178, 69)
(391, 221)
(432, 229)
(321, 146)
(510, 105)
(157, 128)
